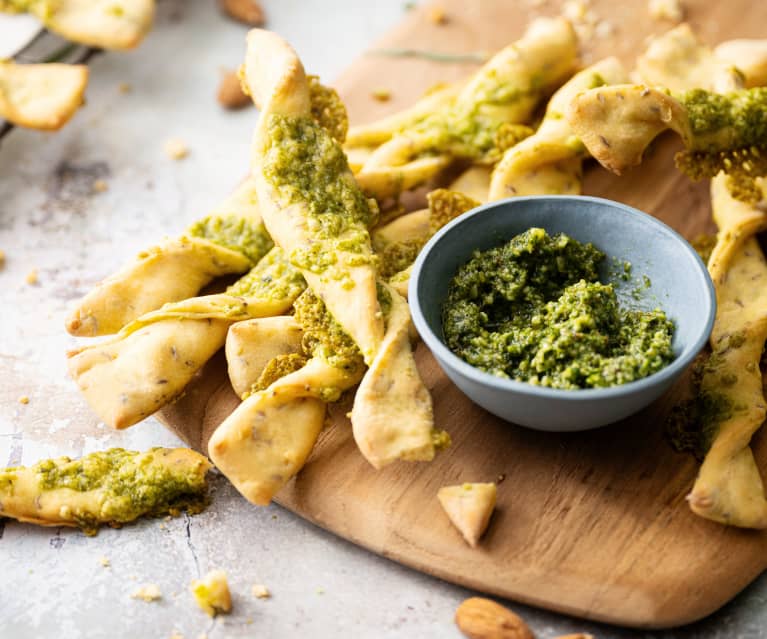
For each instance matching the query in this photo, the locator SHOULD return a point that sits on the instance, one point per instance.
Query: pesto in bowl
(676, 281)
(534, 310)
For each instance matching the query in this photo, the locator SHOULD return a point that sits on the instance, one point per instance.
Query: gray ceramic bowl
(679, 284)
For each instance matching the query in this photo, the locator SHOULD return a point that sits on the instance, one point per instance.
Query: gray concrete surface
(53, 582)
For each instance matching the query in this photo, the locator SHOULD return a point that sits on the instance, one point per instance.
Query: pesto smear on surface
(533, 310)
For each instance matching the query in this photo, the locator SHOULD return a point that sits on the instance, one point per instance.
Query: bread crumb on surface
(260, 591)
(24, 399)
(248, 12)
(666, 10)
(148, 593)
(176, 149)
(212, 593)
(437, 15)
(2, 258)
(104, 561)
(176, 635)
(382, 95)
(124, 88)
(32, 277)
(99, 186)
(230, 94)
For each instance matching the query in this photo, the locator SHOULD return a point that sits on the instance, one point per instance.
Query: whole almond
(246, 11)
(480, 618)
(230, 93)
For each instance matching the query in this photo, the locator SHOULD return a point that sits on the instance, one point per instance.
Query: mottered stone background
(52, 220)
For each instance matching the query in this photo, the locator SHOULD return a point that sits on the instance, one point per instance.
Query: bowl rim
(443, 354)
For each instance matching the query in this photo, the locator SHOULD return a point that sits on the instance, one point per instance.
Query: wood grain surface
(591, 524)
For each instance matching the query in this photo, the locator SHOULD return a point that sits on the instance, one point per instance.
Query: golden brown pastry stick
(176, 269)
(729, 488)
(41, 96)
(392, 417)
(112, 487)
(323, 234)
(107, 24)
(678, 61)
(152, 359)
(503, 92)
(268, 437)
(474, 182)
(549, 161)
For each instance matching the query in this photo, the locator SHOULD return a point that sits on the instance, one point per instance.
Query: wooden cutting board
(592, 524)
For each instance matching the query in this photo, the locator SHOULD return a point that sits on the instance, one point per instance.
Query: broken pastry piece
(41, 96)
(112, 487)
(720, 132)
(469, 507)
(212, 593)
(107, 24)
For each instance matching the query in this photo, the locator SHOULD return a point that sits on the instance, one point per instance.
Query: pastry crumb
(148, 593)
(104, 561)
(2, 258)
(24, 399)
(176, 149)
(212, 593)
(260, 591)
(99, 186)
(437, 15)
(32, 277)
(382, 95)
(176, 635)
(124, 88)
(666, 10)
(603, 29)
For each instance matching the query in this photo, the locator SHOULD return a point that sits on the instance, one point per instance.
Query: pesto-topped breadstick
(111, 487)
(482, 119)
(231, 239)
(107, 24)
(152, 359)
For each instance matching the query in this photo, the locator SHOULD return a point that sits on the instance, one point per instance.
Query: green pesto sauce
(131, 484)
(328, 109)
(236, 233)
(533, 310)
(743, 113)
(273, 278)
(693, 423)
(305, 164)
(444, 206)
(475, 127)
(278, 367)
(323, 336)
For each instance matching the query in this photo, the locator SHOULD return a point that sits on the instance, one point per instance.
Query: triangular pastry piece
(469, 507)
